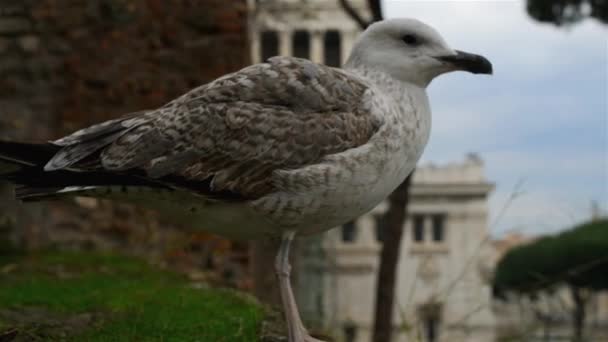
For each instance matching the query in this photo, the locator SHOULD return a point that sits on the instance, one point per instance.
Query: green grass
(131, 300)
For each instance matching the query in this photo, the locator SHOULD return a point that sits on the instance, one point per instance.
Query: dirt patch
(273, 328)
(40, 324)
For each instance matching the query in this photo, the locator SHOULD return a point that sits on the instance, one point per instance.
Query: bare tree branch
(352, 12)
(389, 259)
(394, 217)
(376, 9)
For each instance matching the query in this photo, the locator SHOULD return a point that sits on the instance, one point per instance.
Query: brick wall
(65, 64)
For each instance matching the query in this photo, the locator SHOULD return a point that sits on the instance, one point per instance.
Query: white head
(411, 51)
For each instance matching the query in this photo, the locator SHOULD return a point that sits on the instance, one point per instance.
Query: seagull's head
(412, 51)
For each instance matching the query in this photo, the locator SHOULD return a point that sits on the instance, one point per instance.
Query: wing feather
(236, 131)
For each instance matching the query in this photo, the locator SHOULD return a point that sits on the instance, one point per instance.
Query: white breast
(349, 184)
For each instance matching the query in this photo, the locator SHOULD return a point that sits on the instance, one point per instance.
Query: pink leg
(295, 328)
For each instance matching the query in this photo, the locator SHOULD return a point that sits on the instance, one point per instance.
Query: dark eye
(410, 39)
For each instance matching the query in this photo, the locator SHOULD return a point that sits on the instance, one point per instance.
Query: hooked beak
(475, 64)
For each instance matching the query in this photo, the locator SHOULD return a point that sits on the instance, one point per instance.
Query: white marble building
(318, 30)
(442, 288)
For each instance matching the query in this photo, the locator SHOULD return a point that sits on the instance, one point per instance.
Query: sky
(539, 123)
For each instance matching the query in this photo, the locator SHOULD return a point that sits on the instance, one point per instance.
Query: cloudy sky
(540, 121)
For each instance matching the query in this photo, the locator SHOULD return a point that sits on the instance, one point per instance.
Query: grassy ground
(96, 297)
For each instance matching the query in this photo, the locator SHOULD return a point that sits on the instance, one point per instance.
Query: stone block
(4, 45)
(14, 25)
(29, 43)
(10, 65)
(14, 9)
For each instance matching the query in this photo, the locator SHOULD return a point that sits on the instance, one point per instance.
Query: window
(301, 44)
(438, 228)
(430, 317)
(349, 232)
(431, 325)
(380, 228)
(350, 332)
(332, 48)
(270, 44)
(418, 228)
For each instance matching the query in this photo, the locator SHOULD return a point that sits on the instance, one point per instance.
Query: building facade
(442, 292)
(318, 30)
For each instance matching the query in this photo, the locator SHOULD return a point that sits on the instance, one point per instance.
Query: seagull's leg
(295, 328)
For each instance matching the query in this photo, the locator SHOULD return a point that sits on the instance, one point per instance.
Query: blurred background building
(443, 286)
(314, 29)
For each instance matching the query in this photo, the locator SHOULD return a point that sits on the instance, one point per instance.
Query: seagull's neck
(382, 80)
(356, 64)
(408, 100)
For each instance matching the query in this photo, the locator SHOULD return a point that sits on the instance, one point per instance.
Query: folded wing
(233, 133)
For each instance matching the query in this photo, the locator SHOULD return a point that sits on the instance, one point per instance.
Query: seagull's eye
(410, 39)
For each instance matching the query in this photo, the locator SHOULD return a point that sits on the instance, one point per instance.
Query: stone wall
(65, 64)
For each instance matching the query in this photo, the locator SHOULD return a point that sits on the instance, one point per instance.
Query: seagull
(276, 149)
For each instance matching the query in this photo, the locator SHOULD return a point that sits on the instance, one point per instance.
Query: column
(347, 39)
(285, 42)
(316, 46)
(255, 47)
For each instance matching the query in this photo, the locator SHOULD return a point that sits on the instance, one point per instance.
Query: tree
(389, 259)
(395, 217)
(374, 6)
(565, 12)
(577, 259)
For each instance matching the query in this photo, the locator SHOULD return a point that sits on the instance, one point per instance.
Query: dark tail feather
(28, 194)
(18, 160)
(26, 154)
(32, 183)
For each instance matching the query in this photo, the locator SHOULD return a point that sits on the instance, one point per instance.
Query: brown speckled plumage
(235, 131)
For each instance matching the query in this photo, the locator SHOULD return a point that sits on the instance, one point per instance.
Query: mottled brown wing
(87, 141)
(235, 131)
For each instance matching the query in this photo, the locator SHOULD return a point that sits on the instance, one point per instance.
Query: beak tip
(475, 64)
(485, 68)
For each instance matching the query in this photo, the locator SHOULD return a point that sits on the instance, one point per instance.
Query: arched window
(301, 44)
(332, 48)
(270, 44)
